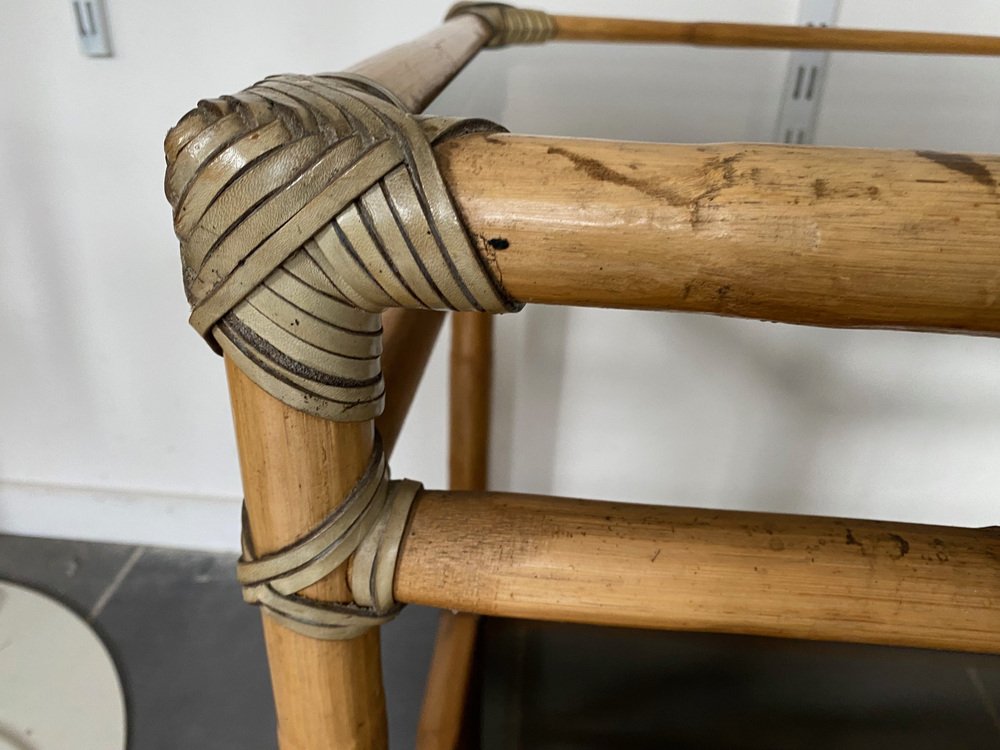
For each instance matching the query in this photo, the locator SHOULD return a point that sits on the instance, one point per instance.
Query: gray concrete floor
(192, 662)
(189, 651)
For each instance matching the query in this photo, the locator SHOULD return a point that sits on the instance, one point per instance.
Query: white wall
(114, 416)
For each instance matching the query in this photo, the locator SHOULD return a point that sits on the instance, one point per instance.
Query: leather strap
(306, 205)
(511, 25)
(368, 528)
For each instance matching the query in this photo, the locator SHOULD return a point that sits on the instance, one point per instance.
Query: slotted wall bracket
(91, 20)
(807, 69)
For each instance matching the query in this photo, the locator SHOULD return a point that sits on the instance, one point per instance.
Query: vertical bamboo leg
(407, 342)
(327, 693)
(469, 405)
(296, 468)
(469, 425)
(441, 719)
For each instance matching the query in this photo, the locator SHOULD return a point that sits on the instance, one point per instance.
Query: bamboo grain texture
(823, 236)
(543, 558)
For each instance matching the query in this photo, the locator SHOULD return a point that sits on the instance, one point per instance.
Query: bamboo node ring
(367, 529)
(510, 24)
(305, 206)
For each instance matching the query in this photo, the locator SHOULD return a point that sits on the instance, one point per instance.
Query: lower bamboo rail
(719, 571)
(822, 236)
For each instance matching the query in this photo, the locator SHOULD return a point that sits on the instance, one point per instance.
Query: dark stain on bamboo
(940, 552)
(724, 164)
(963, 164)
(901, 547)
(718, 172)
(600, 171)
(904, 546)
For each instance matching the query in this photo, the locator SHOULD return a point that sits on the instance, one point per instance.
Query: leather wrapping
(306, 205)
(367, 528)
(510, 25)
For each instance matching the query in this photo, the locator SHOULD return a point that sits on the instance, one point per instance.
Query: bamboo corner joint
(509, 24)
(367, 527)
(305, 206)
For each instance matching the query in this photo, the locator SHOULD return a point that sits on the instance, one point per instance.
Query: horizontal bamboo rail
(417, 71)
(824, 236)
(720, 571)
(589, 29)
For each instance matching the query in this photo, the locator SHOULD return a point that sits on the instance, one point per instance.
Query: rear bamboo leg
(468, 462)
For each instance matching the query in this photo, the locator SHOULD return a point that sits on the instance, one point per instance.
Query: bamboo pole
(418, 71)
(407, 341)
(469, 403)
(326, 693)
(721, 571)
(441, 717)
(822, 236)
(589, 29)
(297, 468)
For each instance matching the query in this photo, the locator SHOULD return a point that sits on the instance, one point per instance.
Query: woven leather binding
(367, 527)
(306, 205)
(510, 25)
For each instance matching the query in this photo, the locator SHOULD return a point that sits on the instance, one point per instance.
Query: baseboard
(122, 516)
